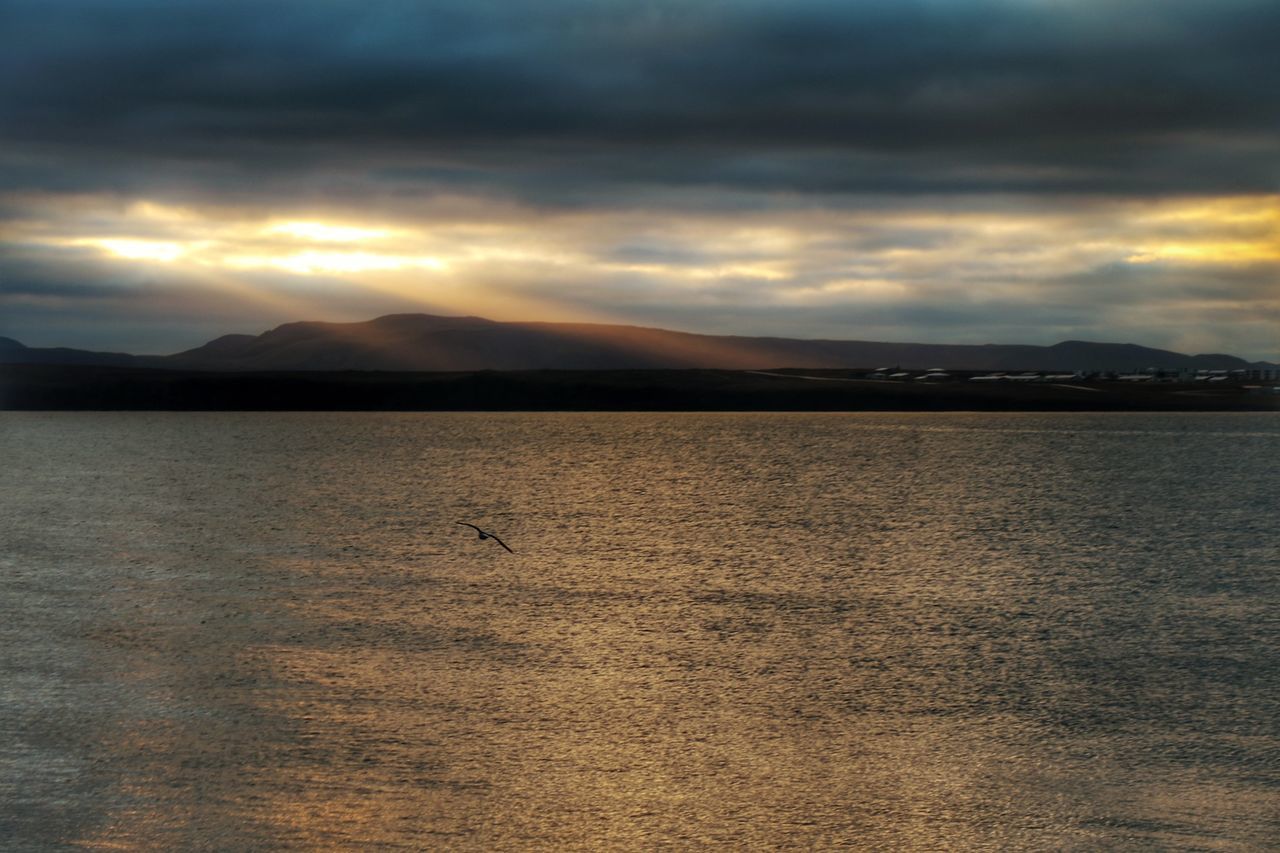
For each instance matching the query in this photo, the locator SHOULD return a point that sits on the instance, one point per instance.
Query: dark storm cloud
(559, 102)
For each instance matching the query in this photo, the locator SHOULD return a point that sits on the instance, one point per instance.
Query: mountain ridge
(425, 342)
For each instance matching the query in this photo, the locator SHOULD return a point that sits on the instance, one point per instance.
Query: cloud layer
(1018, 171)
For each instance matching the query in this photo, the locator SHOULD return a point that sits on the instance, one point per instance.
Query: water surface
(749, 630)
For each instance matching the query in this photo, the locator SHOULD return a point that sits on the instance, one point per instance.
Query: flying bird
(486, 535)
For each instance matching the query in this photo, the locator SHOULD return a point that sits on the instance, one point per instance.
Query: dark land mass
(79, 387)
(14, 352)
(422, 342)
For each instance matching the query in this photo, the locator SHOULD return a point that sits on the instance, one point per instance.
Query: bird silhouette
(486, 535)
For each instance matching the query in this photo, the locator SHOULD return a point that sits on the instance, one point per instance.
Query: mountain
(13, 352)
(423, 342)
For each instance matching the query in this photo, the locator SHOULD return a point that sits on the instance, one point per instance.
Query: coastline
(40, 387)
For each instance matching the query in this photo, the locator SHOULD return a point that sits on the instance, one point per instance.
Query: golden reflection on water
(749, 632)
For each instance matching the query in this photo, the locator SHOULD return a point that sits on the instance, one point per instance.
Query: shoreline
(41, 387)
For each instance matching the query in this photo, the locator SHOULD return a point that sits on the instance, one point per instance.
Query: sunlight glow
(989, 244)
(312, 263)
(134, 250)
(1229, 210)
(161, 212)
(1211, 253)
(326, 233)
(305, 264)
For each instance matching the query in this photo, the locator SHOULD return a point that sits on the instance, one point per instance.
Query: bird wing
(484, 533)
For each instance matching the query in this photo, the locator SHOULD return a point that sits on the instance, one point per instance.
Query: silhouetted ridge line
(424, 342)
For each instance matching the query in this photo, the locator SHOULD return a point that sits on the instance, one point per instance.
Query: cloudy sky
(971, 171)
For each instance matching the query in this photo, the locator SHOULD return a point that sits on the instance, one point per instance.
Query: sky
(963, 171)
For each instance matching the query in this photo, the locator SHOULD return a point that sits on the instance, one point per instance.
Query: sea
(264, 631)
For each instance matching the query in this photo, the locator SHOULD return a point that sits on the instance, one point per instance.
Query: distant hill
(422, 342)
(13, 352)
